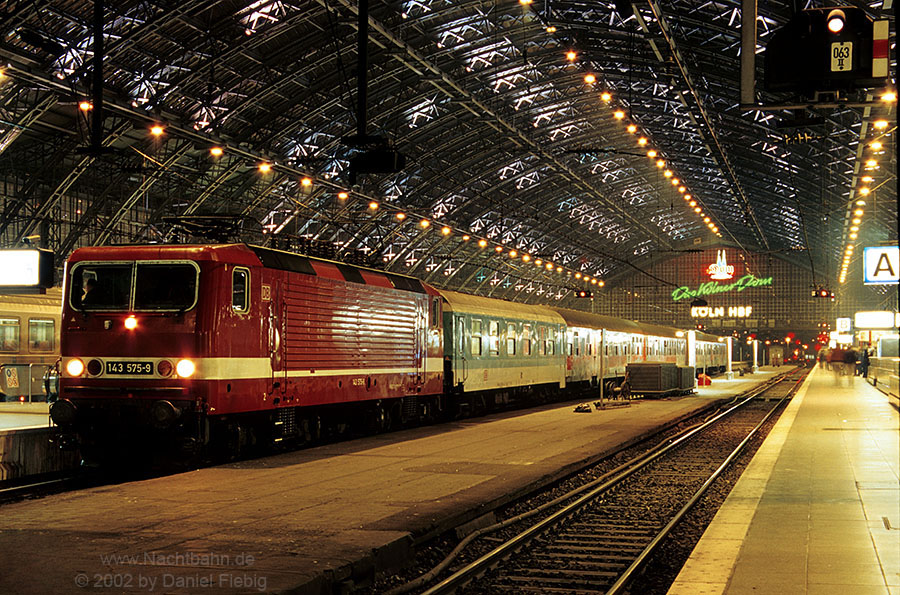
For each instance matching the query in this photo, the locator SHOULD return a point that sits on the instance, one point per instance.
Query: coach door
(459, 351)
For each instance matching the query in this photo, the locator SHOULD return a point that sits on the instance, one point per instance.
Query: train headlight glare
(75, 367)
(185, 368)
(131, 323)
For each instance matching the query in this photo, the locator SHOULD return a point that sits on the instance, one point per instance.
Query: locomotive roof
(473, 304)
(249, 255)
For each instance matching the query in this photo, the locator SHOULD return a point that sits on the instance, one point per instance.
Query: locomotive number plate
(129, 367)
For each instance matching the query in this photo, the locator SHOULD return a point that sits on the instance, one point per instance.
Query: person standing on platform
(864, 363)
(836, 361)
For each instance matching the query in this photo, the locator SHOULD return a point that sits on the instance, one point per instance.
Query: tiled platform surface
(314, 519)
(818, 509)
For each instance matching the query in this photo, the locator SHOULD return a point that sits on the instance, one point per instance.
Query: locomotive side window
(511, 339)
(240, 290)
(476, 337)
(9, 335)
(436, 312)
(495, 337)
(40, 335)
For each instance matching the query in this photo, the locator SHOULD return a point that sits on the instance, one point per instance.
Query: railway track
(598, 537)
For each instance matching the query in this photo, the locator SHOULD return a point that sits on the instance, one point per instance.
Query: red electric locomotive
(231, 345)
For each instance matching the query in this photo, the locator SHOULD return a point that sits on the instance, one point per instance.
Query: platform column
(729, 373)
(755, 367)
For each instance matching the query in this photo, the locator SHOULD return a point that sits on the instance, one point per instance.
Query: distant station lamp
(826, 50)
(26, 270)
(584, 294)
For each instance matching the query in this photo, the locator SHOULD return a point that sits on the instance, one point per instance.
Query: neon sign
(720, 271)
(720, 311)
(712, 288)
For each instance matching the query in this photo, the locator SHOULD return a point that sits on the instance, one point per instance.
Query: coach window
(41, 334)
(9, 334)
(541, 337)
(476, 337)
(494, 338)
(551, 342)
(240, 290)
(511, 338)
(526, 339)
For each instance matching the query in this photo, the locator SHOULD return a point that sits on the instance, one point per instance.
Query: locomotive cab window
(41, 335)
(143, 286)
(240, 290)
(9, 335)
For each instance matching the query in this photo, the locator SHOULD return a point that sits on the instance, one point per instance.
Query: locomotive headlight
(75, 367)
(131, 323)
(185, 368)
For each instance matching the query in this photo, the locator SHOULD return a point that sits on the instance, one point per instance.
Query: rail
(601, 486)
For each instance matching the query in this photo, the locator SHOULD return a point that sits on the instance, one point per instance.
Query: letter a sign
(882, 265)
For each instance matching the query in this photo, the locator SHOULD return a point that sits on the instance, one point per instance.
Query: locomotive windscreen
(140, 286)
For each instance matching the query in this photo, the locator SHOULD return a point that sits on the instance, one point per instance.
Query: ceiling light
(853, 236)
(216, 151)
(578, 275)
(590, 79)
(856, 221)
(668, 173)
(697, 209)
(618, 114)
(482, 243)
(526, 257)
(424, 223)
(446, 230)
(858, 212)
(373, 205)
(693, 203)
(867, 179)
(306, 182)
(264, 168)
(675, 181)
(682, 189)
(570, 56)
(513, 254)
(880, 124)
(631, 128)
(85, 106)
(466, 237)
(652, 154)
(642, 141)
(860, 203)
(854, 228)
(343, 195)
(551, 29)
(549, 266)
(157, 130)
(889, 96)
(498, 248)
(660, 164)
(876, 145)
(865, 191)
(401, 216)
(606, 96)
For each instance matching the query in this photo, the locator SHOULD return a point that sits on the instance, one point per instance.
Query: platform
(818, 509)
(24, 415)
(310, 519)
